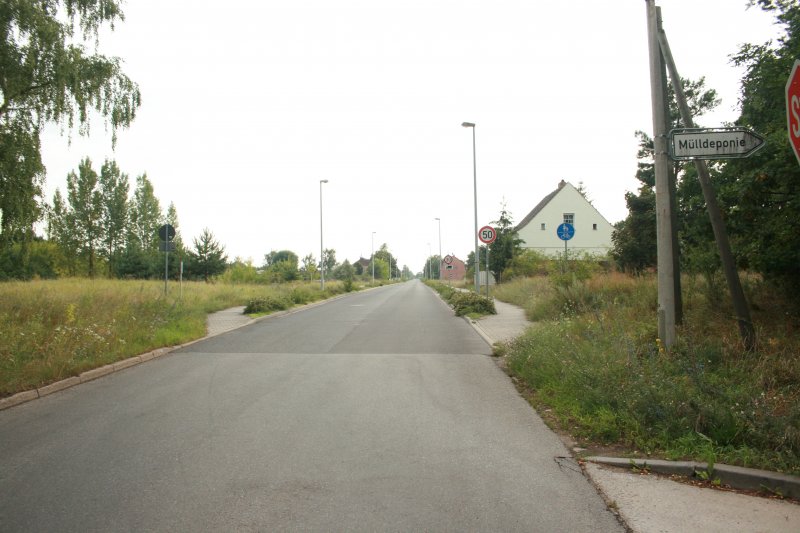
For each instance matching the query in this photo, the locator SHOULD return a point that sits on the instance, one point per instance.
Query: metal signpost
(448, 261)
(487, 235)
(166, 233)
(686, 144)
(565, 232)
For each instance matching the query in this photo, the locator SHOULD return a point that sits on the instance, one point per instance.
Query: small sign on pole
(713, 143)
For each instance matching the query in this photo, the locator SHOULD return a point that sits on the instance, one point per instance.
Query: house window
(594, 227)
(569, 218)
(543, 226)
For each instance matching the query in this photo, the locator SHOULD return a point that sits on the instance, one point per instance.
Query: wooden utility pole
(746, 329)
(666, 274)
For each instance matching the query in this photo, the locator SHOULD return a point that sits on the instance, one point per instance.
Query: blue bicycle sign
(565, 231)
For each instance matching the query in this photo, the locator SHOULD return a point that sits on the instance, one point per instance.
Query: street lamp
(372, 257)
(475, 189)
(439, 220)
(321, 256)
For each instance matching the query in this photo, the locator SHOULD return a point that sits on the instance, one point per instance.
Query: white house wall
(586, 239)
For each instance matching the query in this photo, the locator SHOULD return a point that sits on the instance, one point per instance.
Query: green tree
(180, 249)
(329, 257)
(345, 272)
(21, 180)
(309, 268)
(208, 258)
(114, 189)
(281, 265)
(141, 257)
(60, 229)
(46, 75)
(385, 255)
(762, 192)
(634, 239)
(506, 246)
(86, 212)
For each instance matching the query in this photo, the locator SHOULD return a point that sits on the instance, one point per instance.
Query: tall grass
(595, 360)
(50, 330)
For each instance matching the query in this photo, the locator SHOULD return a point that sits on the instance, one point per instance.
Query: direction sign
(487, 234)
(166, 232)
(713, 143)
(793, 108)
(565, 231)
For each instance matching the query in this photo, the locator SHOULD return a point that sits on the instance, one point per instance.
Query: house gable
(592, 231)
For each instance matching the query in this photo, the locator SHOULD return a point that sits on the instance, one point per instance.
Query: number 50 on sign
(487, 234)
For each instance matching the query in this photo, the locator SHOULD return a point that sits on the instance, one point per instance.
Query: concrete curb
(479, 330)
(734, 476)
(95, 373)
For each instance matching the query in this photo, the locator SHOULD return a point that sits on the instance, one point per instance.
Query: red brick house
(456, 270)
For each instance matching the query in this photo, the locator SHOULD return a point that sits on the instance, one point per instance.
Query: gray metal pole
(487, 270)
(166, 265)
(666, 295)
(372, 258)
(321, 249)
(746, 329)
(475, 191)
(475, 195)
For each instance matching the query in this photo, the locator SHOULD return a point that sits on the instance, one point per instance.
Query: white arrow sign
(713, 143)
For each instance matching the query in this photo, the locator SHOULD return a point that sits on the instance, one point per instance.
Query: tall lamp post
(439, 220)
(477, 261)
(372, 258)
(321, 256)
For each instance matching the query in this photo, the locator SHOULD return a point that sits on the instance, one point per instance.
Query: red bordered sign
(487, 234)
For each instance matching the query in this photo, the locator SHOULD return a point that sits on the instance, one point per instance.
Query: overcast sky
(247, 105)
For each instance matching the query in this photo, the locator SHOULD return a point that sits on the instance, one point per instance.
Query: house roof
(546, 200)
(540, 206)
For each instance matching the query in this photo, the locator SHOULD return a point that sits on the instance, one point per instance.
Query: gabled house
(361, 266)
(455, 270)
(565, 205)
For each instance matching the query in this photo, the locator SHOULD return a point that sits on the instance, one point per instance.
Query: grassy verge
(594, 366)
(464, 302)
(52, 330)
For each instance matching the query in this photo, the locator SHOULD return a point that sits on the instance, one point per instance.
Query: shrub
(465, 303)
(267, 304)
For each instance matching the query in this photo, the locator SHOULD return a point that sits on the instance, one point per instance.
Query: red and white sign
(448, 259)
(793, 108)
(487, 234)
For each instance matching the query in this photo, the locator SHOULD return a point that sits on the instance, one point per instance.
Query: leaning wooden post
(746, 329)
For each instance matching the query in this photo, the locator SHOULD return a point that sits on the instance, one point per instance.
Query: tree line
(758, 195)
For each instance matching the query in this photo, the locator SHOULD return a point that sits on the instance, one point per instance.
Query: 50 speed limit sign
(487, 234)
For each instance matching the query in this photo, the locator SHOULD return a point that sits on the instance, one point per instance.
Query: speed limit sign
(487, 234)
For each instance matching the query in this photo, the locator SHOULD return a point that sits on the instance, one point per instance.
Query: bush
(465, 303)
(267, 304)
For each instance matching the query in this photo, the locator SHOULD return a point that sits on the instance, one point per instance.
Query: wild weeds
(594, 358)
(50, 330)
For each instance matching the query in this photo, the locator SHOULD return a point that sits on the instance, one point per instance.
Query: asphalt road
(380, 411)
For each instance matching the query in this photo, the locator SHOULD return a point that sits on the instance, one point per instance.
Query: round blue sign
(565, 231)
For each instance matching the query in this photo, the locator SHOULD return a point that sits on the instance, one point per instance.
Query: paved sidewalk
(226, 320)
(653, 503)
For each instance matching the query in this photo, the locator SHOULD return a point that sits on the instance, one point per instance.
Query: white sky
(246, 105)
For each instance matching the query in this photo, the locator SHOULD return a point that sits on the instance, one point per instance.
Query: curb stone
(734, 476)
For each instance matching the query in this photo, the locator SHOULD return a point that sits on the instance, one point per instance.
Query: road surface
(379, 411)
